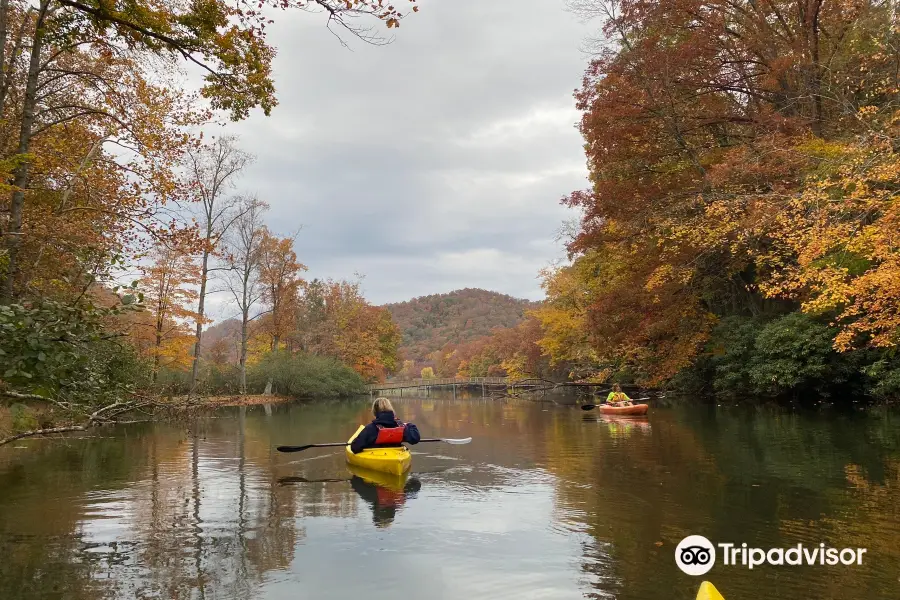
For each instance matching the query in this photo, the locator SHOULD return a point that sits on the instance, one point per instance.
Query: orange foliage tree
(335, 320)
(162, 332)
(727, 143)
(279, 278)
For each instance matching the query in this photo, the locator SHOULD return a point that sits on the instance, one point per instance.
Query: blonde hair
(617, 387)
(381, 405)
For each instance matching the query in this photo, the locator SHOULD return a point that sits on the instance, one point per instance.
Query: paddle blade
(448, 440)
(457, 441)
(294, 448)
(588, 406)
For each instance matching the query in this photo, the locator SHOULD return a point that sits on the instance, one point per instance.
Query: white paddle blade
(457, 441)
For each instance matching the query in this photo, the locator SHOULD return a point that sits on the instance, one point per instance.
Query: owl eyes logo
(695, 555)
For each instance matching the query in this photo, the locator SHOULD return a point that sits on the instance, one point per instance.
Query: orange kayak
(634, 409)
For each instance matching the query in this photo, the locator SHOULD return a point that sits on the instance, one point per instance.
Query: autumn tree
(334, 319)
(713, 130)
(72, 61)
(408, 370)
(213, 169)
(88, 143)
(169, 291)
(279, 277)
(243, 253)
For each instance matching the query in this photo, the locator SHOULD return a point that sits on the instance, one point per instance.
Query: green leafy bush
(795, 355)
(305, 376)
(790, 356)
(66, 351)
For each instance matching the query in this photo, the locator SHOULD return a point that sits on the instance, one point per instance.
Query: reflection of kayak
(634, 409)
(385, 493)
(708, 591)
(387, 460)
(634, 421)
(390, 481)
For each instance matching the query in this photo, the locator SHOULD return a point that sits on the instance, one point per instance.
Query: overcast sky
(434, 163)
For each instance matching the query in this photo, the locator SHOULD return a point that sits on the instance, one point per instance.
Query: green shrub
(304, 376)
(23, 418)
(791, 356)
(794, 355)
(66, 351)
(884, 378)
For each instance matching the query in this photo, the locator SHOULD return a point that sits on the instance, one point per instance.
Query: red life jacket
(390, 435)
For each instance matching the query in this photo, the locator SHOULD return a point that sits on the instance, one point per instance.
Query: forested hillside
(429, 323)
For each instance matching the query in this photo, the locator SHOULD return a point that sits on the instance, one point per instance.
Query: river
(547, 501)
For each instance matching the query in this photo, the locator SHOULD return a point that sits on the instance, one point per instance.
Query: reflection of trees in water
(218, 523)
(200, 516)
(769, 479)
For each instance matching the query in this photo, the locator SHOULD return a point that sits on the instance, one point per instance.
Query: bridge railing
(436, 381)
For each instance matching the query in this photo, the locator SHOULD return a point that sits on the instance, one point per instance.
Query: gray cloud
(431, 164)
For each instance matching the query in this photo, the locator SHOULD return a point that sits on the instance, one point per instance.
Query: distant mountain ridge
(430, 322)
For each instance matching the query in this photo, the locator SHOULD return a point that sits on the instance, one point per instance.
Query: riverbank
(225, 400)
(35, 416)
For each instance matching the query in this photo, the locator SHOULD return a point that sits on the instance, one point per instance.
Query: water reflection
(545, 502)
(385, 493)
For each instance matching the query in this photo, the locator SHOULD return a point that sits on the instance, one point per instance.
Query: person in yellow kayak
(385, 430)
(617, 397)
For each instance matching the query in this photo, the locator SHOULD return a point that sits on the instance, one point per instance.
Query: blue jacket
(367, 437)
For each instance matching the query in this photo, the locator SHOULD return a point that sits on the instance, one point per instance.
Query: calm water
(547, 502)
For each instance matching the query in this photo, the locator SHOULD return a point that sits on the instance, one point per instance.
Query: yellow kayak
(386, 460)
(708, 592)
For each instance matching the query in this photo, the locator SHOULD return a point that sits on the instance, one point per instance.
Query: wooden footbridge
(424, 386)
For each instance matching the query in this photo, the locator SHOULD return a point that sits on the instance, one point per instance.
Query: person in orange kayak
(385, 430)
(617, 397)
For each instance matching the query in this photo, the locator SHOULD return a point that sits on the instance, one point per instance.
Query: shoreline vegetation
(739, 237)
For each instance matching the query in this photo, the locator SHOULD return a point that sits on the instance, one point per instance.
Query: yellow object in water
(708, 592)
(389, 481)
(386, 460)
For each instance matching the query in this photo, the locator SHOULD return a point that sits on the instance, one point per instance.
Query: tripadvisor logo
(696, 555)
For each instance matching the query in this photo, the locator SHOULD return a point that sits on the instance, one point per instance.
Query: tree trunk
(9, 63)
(4, 34)
(20, 175)
(818, 117)
(204, 272)
(243, 382)
(811, 11)
(159, 328)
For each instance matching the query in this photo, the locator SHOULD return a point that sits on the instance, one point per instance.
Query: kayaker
(617, 397)
(385, 429)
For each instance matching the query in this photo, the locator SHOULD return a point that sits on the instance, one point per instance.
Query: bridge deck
(439, 382)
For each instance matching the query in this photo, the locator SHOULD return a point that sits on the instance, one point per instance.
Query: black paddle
(334, 445)
(593, 406)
